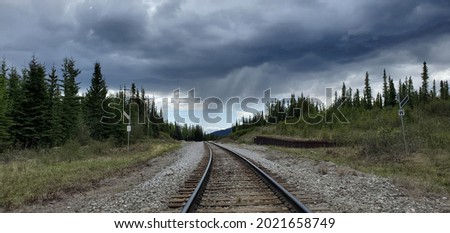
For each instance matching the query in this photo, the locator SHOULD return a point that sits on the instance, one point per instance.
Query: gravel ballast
(148, 189)
(344, 189)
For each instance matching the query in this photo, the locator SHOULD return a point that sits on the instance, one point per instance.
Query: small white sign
(401, 112)
(128, 128)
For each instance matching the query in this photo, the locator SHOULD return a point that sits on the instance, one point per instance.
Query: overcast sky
(234, 47)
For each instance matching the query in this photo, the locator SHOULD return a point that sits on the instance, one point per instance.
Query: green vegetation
(40, 110)
(419, 173)
(370, 131)
(44, 175)
(94, 98)
(52, 140)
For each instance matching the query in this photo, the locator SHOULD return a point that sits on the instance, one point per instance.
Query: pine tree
(392, 96)
(413, 95)
(424, 96)
(357, 99)
(70, 100)
(367, 99)
(433, 90)
(177, 132)
(133, 110)
(385, 89)
(349, 102)
(281, 110)
(198, 133)
(34, 117)
(15, 96)
(292, 106)
(133, 91)
(403, 89)
(444, 90)
(378, 101)
(92, 106)
(142, 110)
(154, 119)
(343, 93)
(55, 122)
(5, 121)
(118, 129)
(336, 99)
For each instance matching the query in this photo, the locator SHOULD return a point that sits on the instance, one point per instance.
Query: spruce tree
(349, 102)
(155, 119)
(446, 90)
(70, 100)
(413, 95)
(385, 89)
(367, 100)
(443, 91)
(378, 101)
(343, 93)
(336, 99)
(357, 99)
(4, 119)
(93, 111)
(116, 123)
(424, 96)
(15, 96)
(56, 123)
(34, 118)
(133, 110)
(433, 90)
(403, 89)
(177, 132)
(292, 106)
(142, 110)
(392, 96)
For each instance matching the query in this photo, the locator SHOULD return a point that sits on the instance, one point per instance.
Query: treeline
(40, 109)
(390, 95)
(290, 110)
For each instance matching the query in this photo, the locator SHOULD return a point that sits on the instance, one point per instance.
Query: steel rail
(191, 204)
(291, 199)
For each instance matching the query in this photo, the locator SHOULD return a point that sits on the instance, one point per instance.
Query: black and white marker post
(127, 116)
(401, 113)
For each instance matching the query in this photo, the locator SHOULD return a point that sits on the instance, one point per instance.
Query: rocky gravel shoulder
(145, 190)
(342, 188)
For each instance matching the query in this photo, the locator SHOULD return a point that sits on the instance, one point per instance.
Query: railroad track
(227, 182)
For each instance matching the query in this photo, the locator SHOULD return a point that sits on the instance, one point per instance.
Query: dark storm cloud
(241, 47)
(115, 24)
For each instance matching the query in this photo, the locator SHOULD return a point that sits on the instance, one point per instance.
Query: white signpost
(129, 121)
(129, 132)
(401, 113)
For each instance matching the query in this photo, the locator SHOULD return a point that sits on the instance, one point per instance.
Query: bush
(69, 152)
(97, 148)
(437, 108)
(383, 141)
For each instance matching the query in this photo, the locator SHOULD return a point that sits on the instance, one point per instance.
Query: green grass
(373, 142)
(419, 173)
(44, 175)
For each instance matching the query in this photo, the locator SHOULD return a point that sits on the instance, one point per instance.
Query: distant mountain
(222, 133)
